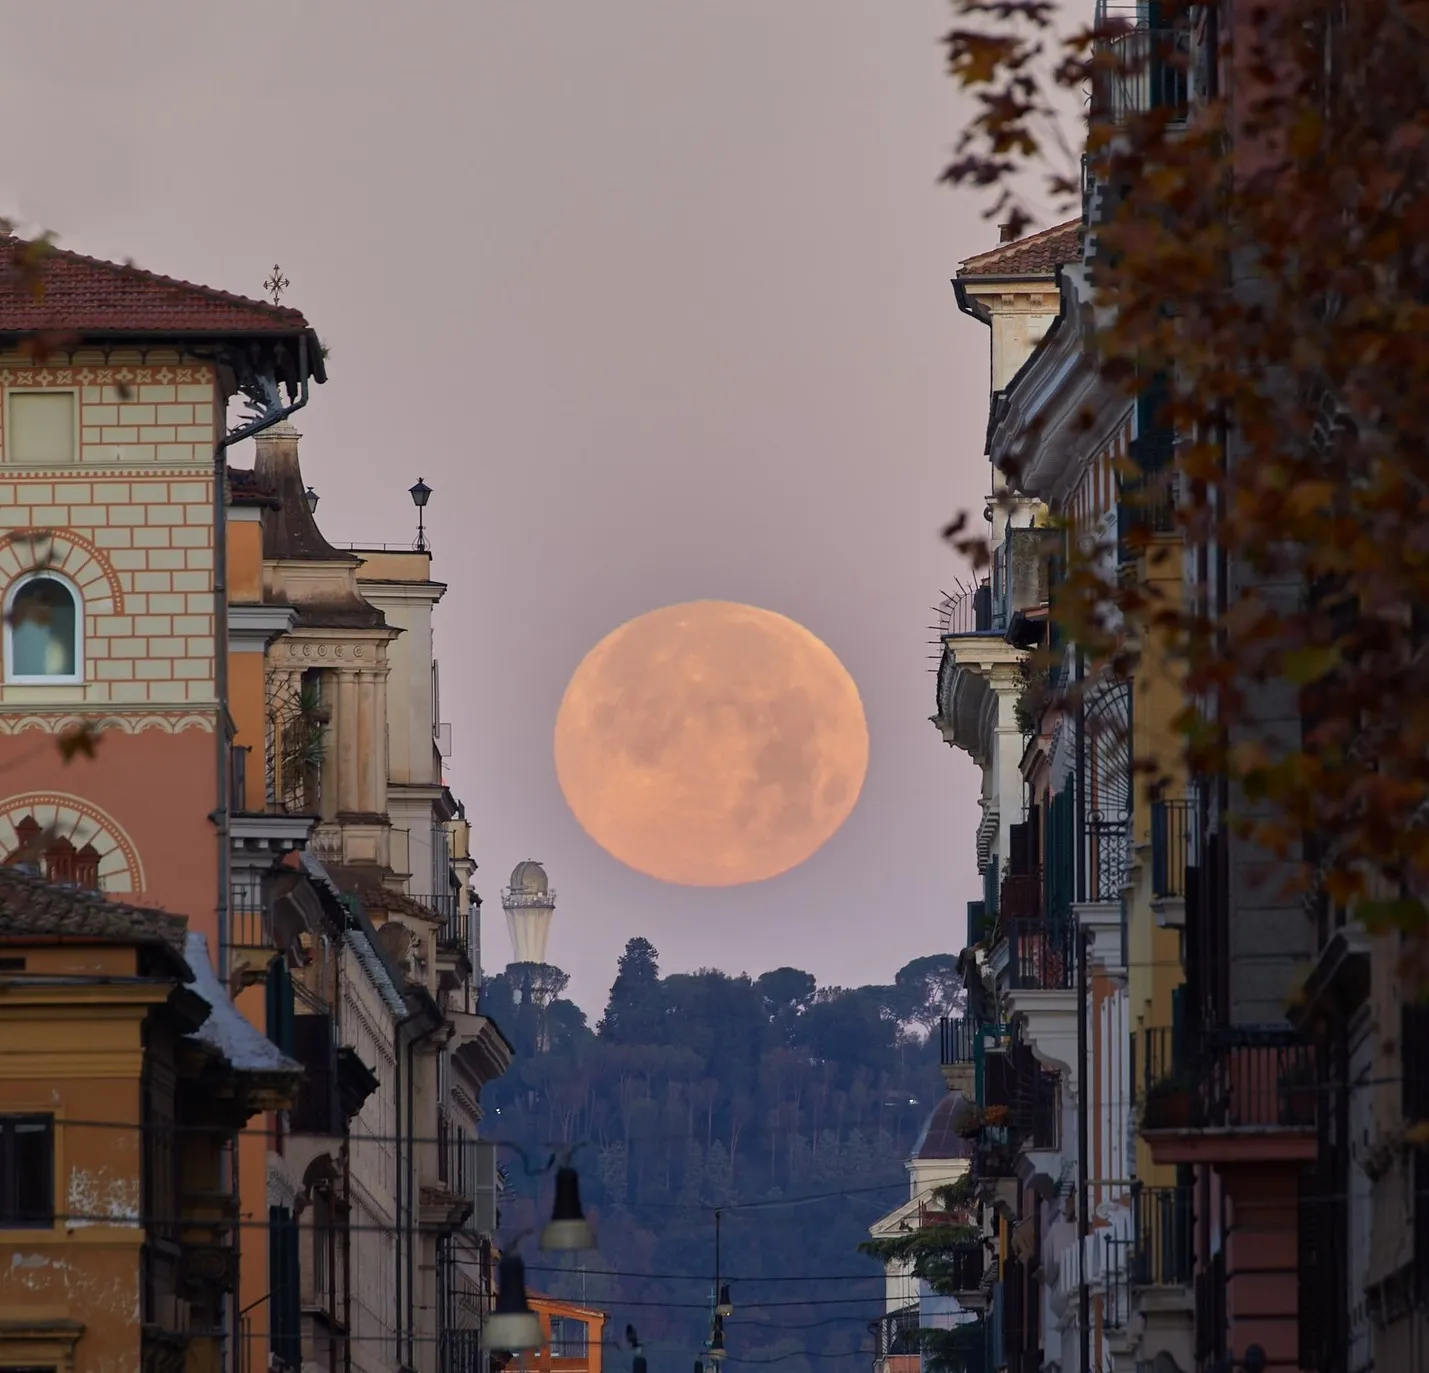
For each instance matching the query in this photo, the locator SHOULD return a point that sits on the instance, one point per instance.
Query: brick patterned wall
(132, 525)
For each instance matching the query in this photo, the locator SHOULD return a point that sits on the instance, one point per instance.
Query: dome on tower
(529, 879)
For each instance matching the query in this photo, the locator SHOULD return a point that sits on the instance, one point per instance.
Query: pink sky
(654, 294)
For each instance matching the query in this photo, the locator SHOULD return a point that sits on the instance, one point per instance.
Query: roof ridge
(132, 269)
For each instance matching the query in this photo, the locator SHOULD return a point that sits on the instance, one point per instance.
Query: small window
(43, 631)
(27, 1171)
(41, 428)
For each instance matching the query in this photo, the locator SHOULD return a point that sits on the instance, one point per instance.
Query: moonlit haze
(656, 298)
(711, 744)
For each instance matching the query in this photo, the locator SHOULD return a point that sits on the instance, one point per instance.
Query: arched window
(44, 630)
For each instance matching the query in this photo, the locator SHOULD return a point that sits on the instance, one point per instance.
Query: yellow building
(125, 1076)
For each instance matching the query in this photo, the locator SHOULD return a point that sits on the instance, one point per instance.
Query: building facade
(126, 1074)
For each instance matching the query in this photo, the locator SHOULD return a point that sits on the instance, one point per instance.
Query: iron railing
(1162, 1218)
(1174, 831)
(1108, 849)
(897, 1333)
(249, 927)
(1142, 67)
(1117, 1278)
(1041, 954)
(1021, 896)
(459, 1351)
(957, 1038)
(1231, 1077)
(967, 611)
(994, 1152)
(1258, 1076)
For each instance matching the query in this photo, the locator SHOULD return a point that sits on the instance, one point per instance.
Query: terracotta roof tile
(245, 488)
(86, 295)
(33, 909)
(1038, 254)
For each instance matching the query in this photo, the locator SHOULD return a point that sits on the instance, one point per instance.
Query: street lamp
(513, 1327)
(568, 1229)
(421, 493)
(311, 497)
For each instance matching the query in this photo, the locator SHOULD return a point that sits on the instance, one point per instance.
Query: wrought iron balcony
(966, 611)
(995, 1152)
(1143, 62)
(1117, 1279)
(897, 1333)
(459, 1351)
(1041, 954)
(1165, 1254)
(958, 1040)
(1108, 852)
(1230, 1077)
(1021, 896)
(1174, 832)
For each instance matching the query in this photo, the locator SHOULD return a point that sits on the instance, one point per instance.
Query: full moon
(711, 744)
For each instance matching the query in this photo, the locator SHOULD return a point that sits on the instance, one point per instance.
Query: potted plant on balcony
(1168, 1105)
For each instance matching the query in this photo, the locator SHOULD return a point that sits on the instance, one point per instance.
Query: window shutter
(484, 1215)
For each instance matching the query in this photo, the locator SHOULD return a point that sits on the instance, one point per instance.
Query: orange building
(573, 1337)
(111, 558)
(125, 1075)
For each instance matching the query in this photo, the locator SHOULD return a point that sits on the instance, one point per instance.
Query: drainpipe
(223, 734)
(412, 1043)
(1084, 1291)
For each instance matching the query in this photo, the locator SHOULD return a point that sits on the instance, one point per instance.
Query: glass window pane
(42, 630)
(33, 1157)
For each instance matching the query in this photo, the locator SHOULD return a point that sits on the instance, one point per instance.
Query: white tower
(529, 904)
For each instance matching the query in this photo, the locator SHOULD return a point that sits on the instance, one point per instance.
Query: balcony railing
(1165, 1253)
(966, 611)
(995, 1153)
(1021, 896)
(249, 929)
(958, 1039)
(1141, 68)
(1258, 1076)
(1108, 849)
(459, 1351)
(1041, 954)
(897, 1333)
(1174, 831)
(1117, 1278)
(1233, 1077)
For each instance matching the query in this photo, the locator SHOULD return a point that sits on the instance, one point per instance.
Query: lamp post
(421, 493)
(311, 497)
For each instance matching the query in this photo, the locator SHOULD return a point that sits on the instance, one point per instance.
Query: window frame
(9, 1220)
(12, 459)
(75, 678)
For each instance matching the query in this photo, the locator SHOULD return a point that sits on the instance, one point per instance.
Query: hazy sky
(654, 294)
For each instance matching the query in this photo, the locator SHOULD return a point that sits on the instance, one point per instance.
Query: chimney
(1006, 233)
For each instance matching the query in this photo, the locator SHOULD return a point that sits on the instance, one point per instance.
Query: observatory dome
(529, 879)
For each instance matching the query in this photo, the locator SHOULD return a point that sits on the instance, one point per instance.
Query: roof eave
(76, 337)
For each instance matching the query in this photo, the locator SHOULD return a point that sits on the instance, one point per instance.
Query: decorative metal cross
(277, 283)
